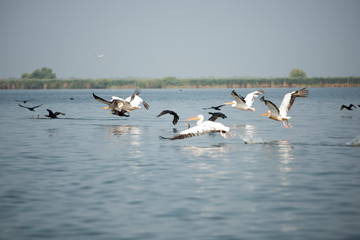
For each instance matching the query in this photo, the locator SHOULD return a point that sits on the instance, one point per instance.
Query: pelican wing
(135, 100)
(272, 107)
(251, 97)
(289, 99)
(101, 100)
(175, 119)
(238, 98)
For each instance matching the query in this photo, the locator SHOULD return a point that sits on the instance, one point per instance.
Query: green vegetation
(297, 73)
(43, 73)
(173, 82)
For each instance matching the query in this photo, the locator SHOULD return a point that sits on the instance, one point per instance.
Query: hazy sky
(184, 38)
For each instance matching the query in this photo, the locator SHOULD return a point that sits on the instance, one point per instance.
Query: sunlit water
(92, 175)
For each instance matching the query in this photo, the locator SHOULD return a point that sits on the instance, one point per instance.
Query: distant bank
(172, 82)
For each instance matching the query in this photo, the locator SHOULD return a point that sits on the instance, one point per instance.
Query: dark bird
(217, 108)
(53, 115)
(349, 107)
(114, 106)
(176, 117)
(216, 115)
(24, 101)
(30, 108)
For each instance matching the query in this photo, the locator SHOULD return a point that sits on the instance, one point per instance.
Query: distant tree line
(173, 82)
(43, 73)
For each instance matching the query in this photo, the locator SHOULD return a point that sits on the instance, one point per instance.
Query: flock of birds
(122, 107)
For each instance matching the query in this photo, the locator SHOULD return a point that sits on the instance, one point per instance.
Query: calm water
(92, 175)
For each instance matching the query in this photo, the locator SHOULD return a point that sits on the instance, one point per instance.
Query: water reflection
(215, 151)
(283, 151)
(132, 133)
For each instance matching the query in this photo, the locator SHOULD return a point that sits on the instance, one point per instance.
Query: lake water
(93, 175)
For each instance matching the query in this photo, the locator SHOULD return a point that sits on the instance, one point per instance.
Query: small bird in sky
(99, 55)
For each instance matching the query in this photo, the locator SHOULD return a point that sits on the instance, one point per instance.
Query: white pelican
(202, 128)
(99, 55)
(52, 114)
(120, 107)
(280, 114)
(175, 119)
(348, 107)
(244, 103)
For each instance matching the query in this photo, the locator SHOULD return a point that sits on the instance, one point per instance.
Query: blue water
(93, 175)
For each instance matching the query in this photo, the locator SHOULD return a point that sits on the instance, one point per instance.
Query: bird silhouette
(24, 101)
(217, 108)
(216, 115)
(176, 117)
(53, 115)
(30, 108)
(348, 107)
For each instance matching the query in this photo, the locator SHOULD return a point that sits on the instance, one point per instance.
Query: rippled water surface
(93, 175)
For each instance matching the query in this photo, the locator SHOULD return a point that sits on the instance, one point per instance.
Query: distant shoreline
(173, 82)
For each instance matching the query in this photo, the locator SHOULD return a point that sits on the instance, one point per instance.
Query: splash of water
(354, 142)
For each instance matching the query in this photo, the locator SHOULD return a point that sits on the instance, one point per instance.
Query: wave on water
(354, 142)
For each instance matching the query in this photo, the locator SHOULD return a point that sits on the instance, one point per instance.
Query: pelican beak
(192, 118)
(228, 103)
(106, 107)
(265, 114)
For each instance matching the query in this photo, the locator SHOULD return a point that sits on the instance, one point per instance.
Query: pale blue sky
(185, 38)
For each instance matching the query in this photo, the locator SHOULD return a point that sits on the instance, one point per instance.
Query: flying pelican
(215, 107)
(244, 103)
(175, 119)
(30, 108)
(216, 115)
(280, 114)
(99, 55)
(201, 128)
(115, 106)
(24, 101)
(53, 115)
(349, 107)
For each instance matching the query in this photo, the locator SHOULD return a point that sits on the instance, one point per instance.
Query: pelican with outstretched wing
(280, 114)
(201, 128)
(242, 103)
